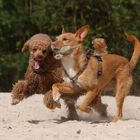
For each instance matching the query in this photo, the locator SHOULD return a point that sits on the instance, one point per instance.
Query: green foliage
(12, 68)
(20, 19)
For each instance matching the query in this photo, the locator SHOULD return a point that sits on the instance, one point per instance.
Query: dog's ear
(82, 32)
(25, 47)
(63, 29)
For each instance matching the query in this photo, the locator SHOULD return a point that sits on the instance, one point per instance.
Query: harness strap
(100, 71)
(73, 79)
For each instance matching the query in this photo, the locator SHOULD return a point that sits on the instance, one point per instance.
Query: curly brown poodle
(42, 72)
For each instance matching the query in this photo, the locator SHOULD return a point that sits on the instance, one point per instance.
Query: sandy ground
(31, 120)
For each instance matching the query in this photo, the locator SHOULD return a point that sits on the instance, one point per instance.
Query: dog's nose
(40, 56)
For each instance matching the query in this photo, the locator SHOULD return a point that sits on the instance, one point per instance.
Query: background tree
(21, 19)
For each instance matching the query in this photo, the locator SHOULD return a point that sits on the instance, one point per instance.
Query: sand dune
(31, 120)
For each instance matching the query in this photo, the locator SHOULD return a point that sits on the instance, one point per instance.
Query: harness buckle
(99, 59)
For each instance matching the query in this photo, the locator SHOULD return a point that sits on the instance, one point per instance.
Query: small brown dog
(100, 47)
(80, 71)
(43, 70)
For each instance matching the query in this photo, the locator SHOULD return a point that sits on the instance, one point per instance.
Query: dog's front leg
(61, 88)
(49, 102)
(18, 92)
(88, 100)
(21, 90)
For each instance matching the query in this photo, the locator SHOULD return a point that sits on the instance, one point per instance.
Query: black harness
(74, 78)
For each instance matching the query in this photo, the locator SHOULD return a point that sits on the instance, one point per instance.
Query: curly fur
(35, 82)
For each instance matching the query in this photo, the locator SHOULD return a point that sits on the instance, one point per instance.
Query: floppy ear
(25, 47)
(63, 30)
(82, 32)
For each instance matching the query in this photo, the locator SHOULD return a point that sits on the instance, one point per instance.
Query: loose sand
(31, 120)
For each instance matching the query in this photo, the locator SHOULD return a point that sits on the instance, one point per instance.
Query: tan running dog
(80, 71)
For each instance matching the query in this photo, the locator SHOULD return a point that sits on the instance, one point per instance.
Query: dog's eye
(65, 39)
(44, 51)
(34, 49)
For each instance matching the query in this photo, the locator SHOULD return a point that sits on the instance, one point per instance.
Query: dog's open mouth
(38, 67)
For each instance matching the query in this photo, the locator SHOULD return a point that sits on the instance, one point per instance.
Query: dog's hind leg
(88, 100)
(122, 89)
(100, 107)
(70, 102)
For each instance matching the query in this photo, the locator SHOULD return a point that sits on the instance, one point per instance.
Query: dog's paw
(49, 102)
(56, 97)
(52, 105)
(87, 109)
(116, 118)
(15, 101)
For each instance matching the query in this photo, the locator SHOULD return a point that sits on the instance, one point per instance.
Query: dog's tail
(136, 53)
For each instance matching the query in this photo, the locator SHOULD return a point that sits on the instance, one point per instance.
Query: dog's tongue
(36, 65)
